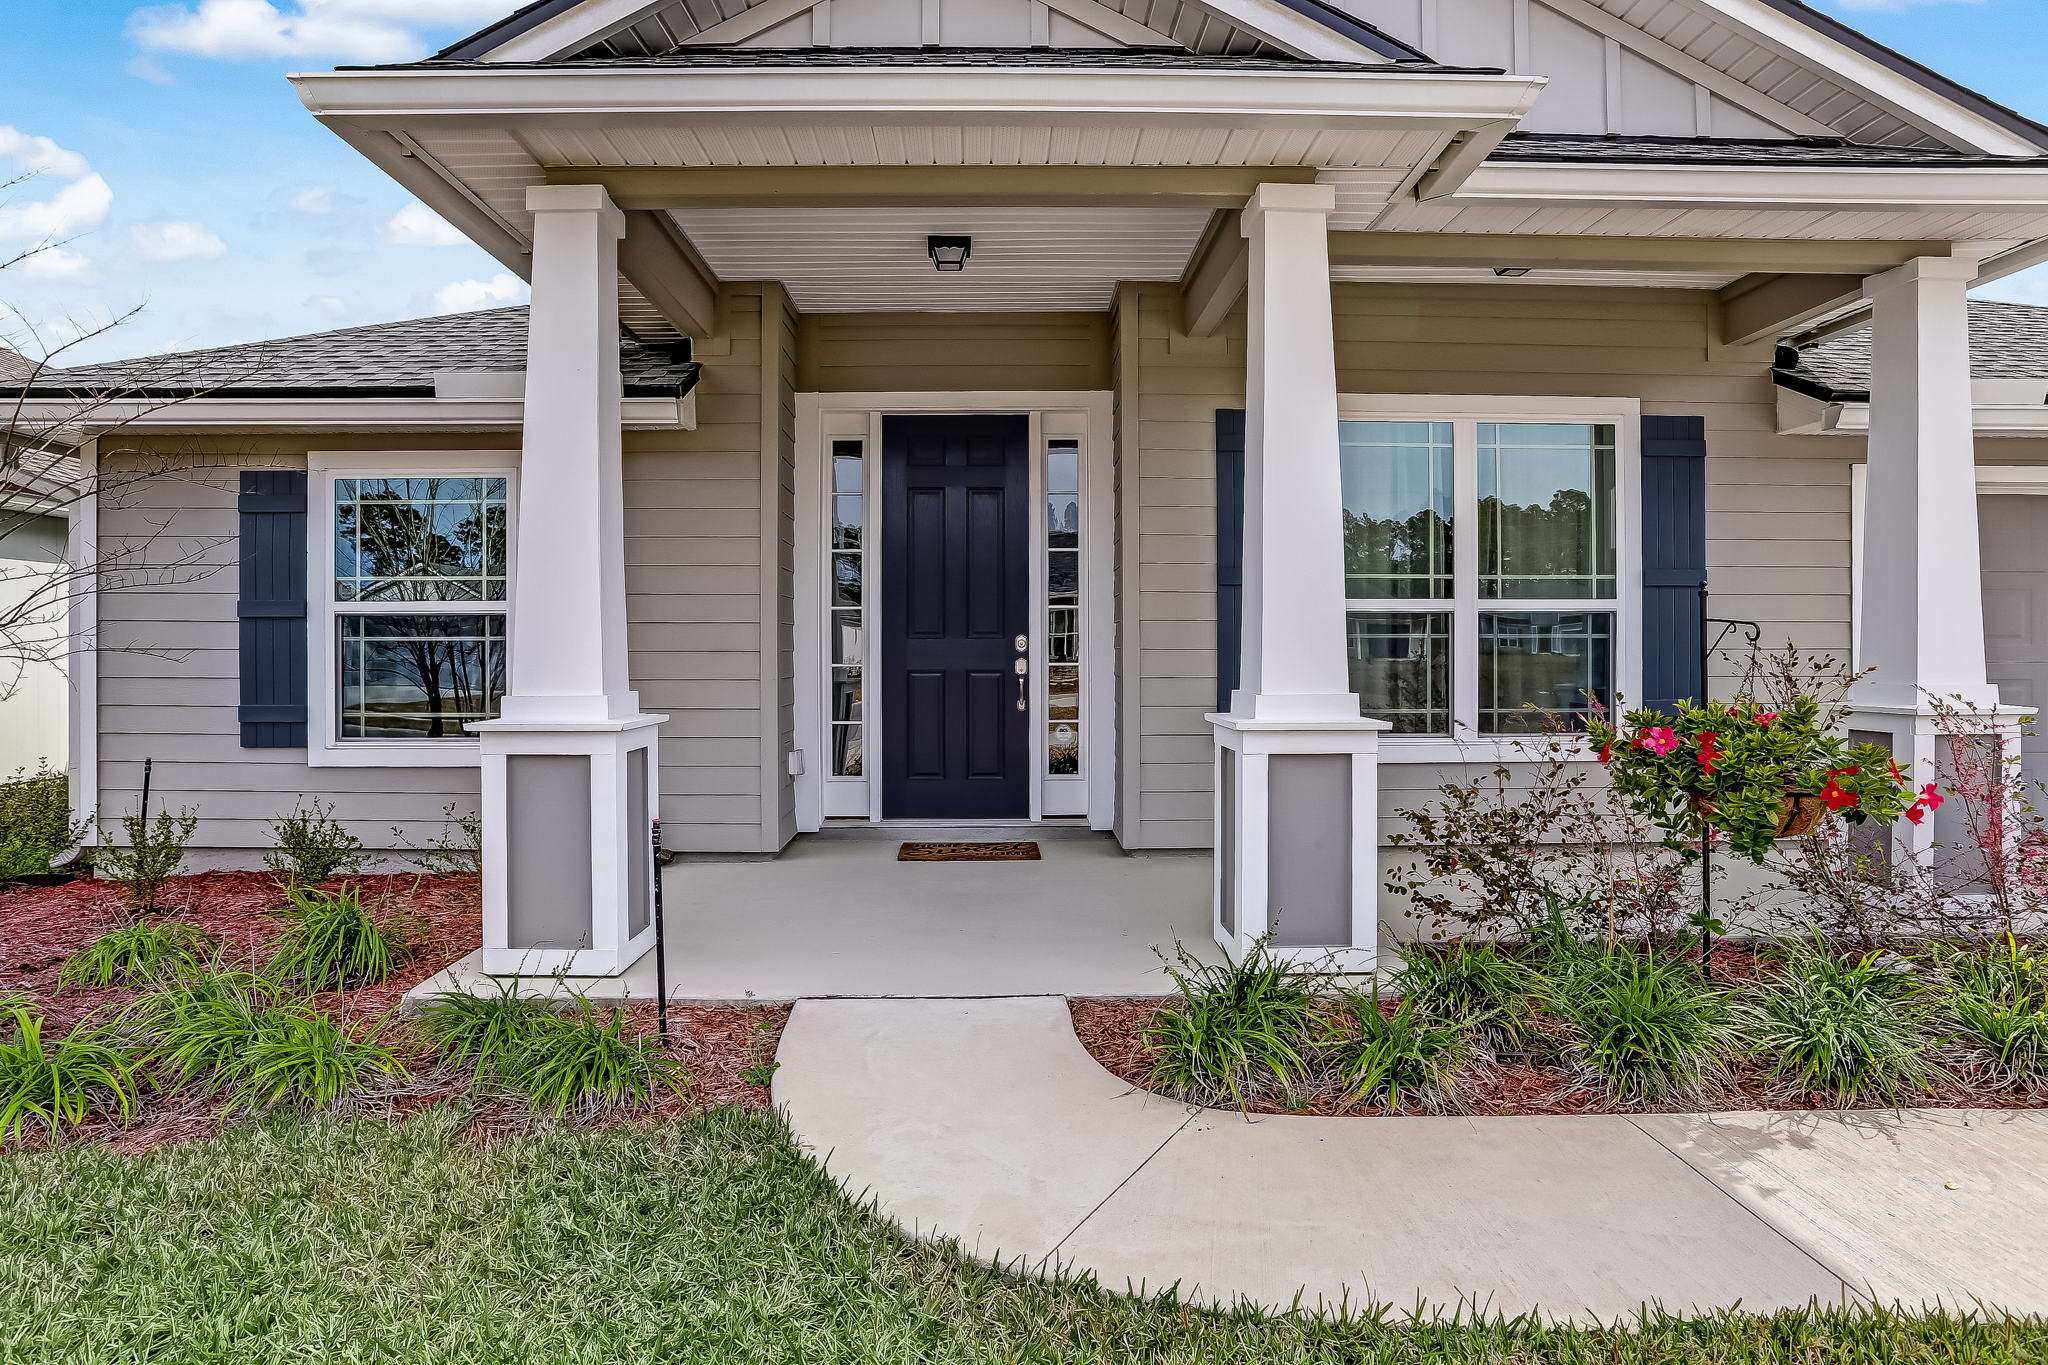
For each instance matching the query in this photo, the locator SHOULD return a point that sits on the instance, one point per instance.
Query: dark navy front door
(956, 718)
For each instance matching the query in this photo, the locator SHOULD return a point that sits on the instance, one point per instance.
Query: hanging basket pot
(1799, 813)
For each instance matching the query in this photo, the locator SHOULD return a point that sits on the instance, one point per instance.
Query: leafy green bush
(487, 1034)
(583, 1064)
(1402, 1060)
(1239, 1031)
(457, 851)
(1470, 985)
(1644, 1028)
(35, 821)
(149, 858)
(1997, 1002)
(1853, 1028)
(331, 941)
(137, 953)
(312, 846)
(47, 1086)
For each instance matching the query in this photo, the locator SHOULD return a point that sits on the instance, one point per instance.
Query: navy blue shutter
(1674, 558)
(1229, 551)
(273, 609)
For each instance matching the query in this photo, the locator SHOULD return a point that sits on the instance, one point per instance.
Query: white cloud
(418, 225)
(55, 263)
(80, 203)
(354, 30)
(182, 241)
(312, 199)
(466, 296)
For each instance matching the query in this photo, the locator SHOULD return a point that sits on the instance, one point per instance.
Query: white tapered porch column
(1297, 782)
(569, 767)
(1922, 613)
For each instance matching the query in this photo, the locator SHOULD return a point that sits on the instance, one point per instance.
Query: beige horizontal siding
(955, 352)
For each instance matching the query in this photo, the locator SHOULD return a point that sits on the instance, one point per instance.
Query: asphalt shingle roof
(382, 360)
(1629, 149)
(2007, 341)
(1122, 58)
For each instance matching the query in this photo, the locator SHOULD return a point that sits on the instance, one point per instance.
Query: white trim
(82, 715)
(1676, 185)
(821, 418)
(323, 748)
(1802, 414)
(348, 414)
(1465, 745)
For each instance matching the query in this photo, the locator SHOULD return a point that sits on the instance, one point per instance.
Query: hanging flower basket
(1799, 813)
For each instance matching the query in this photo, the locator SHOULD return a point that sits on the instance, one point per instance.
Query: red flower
(1607, 752)
(1838, 797)
(1710, 750)
(1764, 718)
(1932, 796)
(1916, 812)
(1897, 776)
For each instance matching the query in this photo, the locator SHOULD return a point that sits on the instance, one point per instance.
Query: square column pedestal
(568, 855)
(1297, 839)
(1931, 747)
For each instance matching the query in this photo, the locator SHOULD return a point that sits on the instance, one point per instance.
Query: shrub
(1997, 1002)
(1469, 985)
(149, 858)
(35, 821)
(487, 1034)
(331, 941)
(458, 850)
(1853, 1028)
(84, 1074)
(1400, 1060)
(1239, 1030)
(582, 1064)
(312, 846)
(137, 953)
(1644, 1028)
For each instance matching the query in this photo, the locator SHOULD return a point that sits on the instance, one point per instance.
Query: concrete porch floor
(841, 917)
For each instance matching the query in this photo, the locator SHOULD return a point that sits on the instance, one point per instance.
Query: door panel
(955, 596)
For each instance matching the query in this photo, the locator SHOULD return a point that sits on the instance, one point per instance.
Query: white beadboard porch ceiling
(873, 259)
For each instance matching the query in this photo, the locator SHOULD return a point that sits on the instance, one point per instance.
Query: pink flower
(1764, 718)
(1658, 739)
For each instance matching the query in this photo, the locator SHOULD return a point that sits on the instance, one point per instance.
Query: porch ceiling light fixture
(1511, 272)
(949, 253)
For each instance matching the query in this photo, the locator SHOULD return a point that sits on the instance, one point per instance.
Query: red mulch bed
(1113, 1032)
(41, 926)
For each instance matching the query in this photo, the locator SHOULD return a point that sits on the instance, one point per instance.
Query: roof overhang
(2000, 407)
(215, 413)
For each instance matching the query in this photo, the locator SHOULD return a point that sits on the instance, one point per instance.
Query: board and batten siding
(169, 658)
(1778, 506)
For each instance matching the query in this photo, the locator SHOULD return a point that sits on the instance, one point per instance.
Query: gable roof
(381, 360)
(2007, 341)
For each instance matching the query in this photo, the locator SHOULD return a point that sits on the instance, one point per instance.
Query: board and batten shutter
(1674, 484)
(1229, 551)
(272, 609)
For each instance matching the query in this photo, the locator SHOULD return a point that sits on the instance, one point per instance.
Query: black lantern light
(949, 253)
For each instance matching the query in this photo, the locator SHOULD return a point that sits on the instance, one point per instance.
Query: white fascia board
(1289, 30)
(351, 414)
(573, 30)
(1901, 94)
(855, 95)
(1802, 415)
(1997, 188)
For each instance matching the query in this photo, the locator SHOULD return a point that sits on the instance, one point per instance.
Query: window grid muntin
(847, 513)
(1064, 589)
(1465, 605)
(486, 495)
(493, 620)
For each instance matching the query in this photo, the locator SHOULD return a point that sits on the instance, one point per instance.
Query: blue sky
(185, 179)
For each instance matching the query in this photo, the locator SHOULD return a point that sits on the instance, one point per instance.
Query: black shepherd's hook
(1753, 635)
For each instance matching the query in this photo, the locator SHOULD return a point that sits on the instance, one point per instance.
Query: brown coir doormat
(1021, 852)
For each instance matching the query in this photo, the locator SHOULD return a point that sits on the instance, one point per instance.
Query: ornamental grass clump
(1403, 1060)
(1471, 986)
(88, 1073)
(1852, 1028)
(1641, 1028)
(487, 1035)
(1995, 999)
(331, 941)
(137, 954)
(580, 1065)
(1240, 1031)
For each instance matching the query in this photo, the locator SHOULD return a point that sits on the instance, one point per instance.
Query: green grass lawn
(709, 1239)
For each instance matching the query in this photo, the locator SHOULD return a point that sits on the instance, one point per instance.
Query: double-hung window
(1486, 579)
(417, 584)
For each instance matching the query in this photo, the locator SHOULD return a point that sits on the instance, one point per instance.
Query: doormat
(1022, 852)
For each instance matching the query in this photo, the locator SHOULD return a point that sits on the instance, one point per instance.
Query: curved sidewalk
(985, 1120)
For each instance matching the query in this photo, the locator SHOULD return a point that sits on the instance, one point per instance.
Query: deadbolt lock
(1021, 643)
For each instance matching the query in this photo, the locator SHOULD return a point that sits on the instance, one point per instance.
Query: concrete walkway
(985, 1120)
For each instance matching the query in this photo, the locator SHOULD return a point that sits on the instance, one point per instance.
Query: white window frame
(1465, 743)
(324, 746)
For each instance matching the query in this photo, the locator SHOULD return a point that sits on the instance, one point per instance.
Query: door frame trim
(1088, 414)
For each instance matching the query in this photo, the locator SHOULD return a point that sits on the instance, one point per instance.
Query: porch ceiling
(873, 259)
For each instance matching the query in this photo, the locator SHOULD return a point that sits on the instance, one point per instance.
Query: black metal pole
(660, 941)
(1706, 830)
(147, 764)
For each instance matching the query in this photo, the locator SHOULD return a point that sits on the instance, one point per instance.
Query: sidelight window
(1063, 607)
(847, 594)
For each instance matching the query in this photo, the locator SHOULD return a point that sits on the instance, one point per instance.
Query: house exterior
(34, 705)
(1215, 422)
